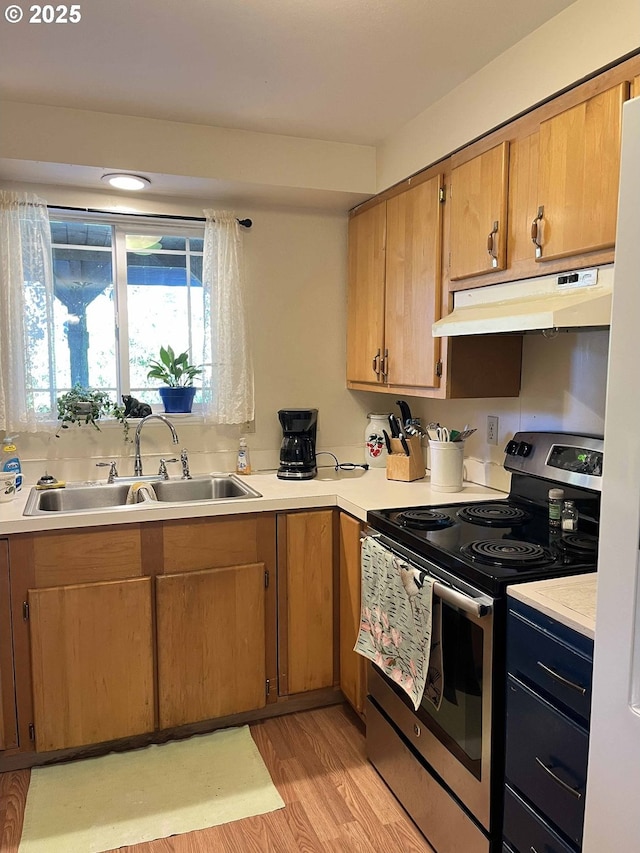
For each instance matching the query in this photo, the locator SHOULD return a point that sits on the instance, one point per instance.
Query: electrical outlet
(492, 429)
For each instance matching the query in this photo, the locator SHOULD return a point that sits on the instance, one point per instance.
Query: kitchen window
(123, 288)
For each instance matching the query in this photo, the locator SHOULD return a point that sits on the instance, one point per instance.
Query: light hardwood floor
(335, 800)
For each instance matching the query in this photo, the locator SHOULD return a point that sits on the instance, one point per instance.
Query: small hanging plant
(82, 406)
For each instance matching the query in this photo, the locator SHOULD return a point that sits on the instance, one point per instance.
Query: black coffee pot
(298, 448)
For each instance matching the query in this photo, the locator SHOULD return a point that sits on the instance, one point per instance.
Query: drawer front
(557, 668)
(539, 737)
(524, 830)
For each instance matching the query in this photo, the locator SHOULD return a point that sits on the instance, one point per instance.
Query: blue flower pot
(177, 399)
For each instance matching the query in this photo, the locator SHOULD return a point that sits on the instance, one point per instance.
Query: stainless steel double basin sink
(85, 498)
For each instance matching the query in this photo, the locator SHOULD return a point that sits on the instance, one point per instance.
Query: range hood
(567, 301)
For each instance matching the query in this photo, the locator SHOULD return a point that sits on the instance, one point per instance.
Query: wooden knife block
(403, 467)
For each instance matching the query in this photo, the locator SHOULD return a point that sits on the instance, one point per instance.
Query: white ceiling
(351, 71)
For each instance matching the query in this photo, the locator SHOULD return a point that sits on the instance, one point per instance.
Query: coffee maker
(298, 448)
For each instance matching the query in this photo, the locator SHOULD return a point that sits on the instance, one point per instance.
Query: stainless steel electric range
(446, 766)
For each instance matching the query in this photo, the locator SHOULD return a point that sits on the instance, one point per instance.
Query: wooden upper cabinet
(579, 172)
(412, 303)
(366, 293)
(479, 214)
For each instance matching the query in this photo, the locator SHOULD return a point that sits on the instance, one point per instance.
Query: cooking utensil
(387, 440)
(464, 434)
(405, 444)
(393, 426)
(443, 434)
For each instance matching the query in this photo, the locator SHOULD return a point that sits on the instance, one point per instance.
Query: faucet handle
(162, 470)
(113, 471)
(184, 459)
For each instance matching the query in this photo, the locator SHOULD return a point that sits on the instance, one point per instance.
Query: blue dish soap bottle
(11, 460)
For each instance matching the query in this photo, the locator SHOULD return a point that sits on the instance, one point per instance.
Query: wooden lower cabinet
(211, 643)
(92, 662)
(123, 631)
(8, 720)
(307, 619)
(352, 665)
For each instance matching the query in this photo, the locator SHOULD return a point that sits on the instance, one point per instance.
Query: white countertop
(571, 601)
(354, 492)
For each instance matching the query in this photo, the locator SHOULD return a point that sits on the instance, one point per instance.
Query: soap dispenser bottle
(11, 460)
(243, 464)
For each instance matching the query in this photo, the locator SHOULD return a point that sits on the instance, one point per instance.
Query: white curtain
(27, 366)
(228, 396)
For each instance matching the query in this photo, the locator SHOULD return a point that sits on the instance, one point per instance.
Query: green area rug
(125, 798)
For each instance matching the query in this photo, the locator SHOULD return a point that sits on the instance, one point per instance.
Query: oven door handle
(463, 602)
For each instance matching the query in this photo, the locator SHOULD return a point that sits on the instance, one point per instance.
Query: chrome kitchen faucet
(137, 465)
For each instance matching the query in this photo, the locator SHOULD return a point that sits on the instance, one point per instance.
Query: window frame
(135, 225)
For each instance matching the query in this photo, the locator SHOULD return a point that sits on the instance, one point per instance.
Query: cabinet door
(306, 623)
(579, 170)
(211, 643)
(92, 662)
(352, 665)
(413, 261)
(8, 720)
(365, 298)
(479, 214)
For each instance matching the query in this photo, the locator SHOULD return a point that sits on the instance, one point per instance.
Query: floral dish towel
(400, 623)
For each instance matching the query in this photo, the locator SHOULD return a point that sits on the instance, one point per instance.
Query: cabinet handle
(581, 690)
(491, 244)
(384, 367)
(560, 782)
(535, 231)
(375, 364)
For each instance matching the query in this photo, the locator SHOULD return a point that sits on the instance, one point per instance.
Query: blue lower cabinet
(525, 830)
(547, 758)
(548, 699)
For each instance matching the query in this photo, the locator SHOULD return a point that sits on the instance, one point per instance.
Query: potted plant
(178, 374)
(83, 405)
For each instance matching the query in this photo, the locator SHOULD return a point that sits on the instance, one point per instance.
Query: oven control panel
(569, 458)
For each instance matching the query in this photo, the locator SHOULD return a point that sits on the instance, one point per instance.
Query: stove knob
(512, 448)
(524, 448)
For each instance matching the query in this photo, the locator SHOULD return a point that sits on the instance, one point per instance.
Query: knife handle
(405, 411)
(387, 440)
(393, 426)
(405, 445)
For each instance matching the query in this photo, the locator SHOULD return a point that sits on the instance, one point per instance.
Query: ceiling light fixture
(122, 181)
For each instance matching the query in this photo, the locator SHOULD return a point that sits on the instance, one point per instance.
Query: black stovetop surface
(526, 547)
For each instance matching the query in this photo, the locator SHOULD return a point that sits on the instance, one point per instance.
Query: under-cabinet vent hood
(566, 301)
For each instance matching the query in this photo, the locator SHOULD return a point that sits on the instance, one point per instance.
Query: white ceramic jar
(375, 450)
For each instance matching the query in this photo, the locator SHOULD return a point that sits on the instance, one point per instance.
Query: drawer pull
(581, 690)
(557, 779)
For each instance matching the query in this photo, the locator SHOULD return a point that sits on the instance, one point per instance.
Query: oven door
(454, 740)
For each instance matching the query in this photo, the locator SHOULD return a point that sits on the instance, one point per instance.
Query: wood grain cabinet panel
(211, 643)
(8, 720)
(366, 295)
(579, 169)
(207, 543)
(412, 302)
(306, 593)
(479, 214)
(92, 662)
(352, 665)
